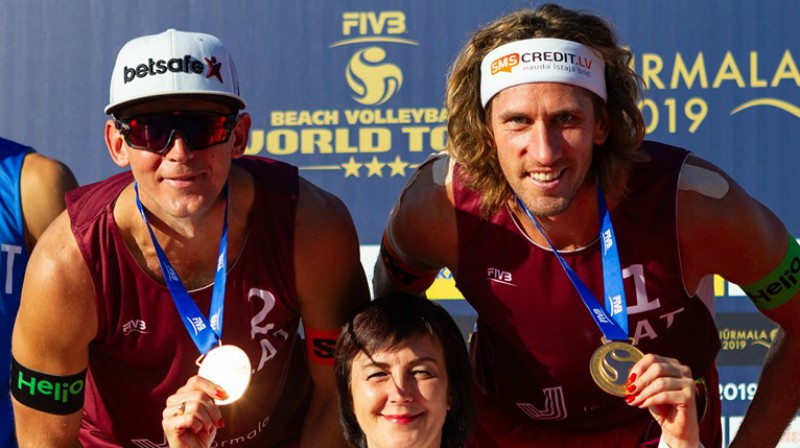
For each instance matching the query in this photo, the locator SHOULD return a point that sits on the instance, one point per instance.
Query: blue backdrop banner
(352, 93)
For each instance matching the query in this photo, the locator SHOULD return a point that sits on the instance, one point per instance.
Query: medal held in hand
(229, 367)
(611, 364)
(226, 365)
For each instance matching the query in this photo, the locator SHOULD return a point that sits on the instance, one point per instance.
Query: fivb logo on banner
(367, 137)
(373, 80)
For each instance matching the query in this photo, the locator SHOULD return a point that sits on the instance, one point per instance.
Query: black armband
(52, 394)
(780, 285)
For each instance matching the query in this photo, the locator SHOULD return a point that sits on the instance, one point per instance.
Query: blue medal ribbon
(206, 335)
(613, 319)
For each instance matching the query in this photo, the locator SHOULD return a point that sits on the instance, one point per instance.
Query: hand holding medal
(662, 385)
(612, 361)
(191, 417)
(665, 387)
(225, 365)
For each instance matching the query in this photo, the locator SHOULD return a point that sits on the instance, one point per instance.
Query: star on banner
(398, 167)
(375, 168)
(351, 167)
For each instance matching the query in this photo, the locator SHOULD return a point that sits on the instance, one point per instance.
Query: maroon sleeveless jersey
(535, 337)
(143, 353)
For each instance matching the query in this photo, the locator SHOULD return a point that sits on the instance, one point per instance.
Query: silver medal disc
(229, 367)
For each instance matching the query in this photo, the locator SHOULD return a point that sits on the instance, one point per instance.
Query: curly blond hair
(470, 139)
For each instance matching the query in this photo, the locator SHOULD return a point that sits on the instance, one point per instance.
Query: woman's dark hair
(389, 322)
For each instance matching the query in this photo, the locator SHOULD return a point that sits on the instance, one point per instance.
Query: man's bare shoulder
(43, 182)
(323, 225)
(58, 286)
(319, 210)
(422, 225)
(722, 229)
(46, 169)
(329, 275)
(56, 272)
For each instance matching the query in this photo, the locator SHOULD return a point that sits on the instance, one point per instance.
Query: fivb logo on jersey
(372, 79)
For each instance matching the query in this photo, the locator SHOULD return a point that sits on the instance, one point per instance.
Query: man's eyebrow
(383, 365)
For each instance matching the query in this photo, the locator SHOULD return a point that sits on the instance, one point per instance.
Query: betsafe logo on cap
(173, 63)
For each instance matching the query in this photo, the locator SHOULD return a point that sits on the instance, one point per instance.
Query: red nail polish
(221, 423)
(632, 378)
(221, 394)
(630, 398)
(631, 388)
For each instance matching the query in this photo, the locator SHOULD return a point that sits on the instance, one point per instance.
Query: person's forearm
(321, 427)
(36, 428)
(777, 398)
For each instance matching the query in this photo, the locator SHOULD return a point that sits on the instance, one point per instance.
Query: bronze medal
(611, 364)
(229, 367)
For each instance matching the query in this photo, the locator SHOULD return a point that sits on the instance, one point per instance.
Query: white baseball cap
(170, 64)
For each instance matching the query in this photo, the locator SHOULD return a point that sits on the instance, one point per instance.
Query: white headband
(542, 60)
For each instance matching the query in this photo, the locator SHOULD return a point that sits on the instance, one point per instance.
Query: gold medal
(611, 364)
(229, 367)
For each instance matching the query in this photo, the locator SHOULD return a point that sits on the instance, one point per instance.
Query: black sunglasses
(155, 132)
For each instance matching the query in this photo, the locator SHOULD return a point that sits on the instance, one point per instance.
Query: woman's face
(400, 396)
